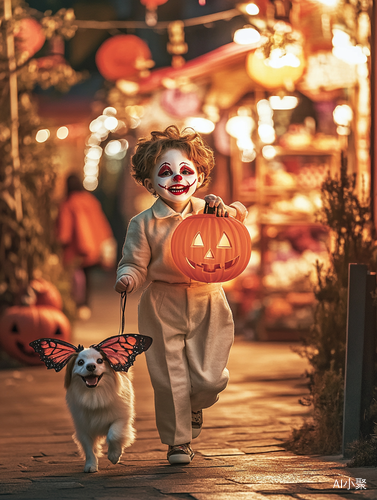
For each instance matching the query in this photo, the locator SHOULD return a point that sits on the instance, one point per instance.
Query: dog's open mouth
(91, 381)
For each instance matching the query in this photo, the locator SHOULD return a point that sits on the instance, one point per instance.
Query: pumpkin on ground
(19, 325)
(211, 249)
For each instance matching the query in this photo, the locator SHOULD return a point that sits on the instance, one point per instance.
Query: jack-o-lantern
(22, 324)
(211, 249)
(47, 294)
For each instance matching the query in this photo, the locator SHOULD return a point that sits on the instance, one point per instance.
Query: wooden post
(360, 354)
(13, 95)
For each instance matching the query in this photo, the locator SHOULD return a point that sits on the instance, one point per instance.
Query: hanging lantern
(29, 36)
(123, 56)
(22, 324)
(151, 12)
(211, 249)
(273, 77)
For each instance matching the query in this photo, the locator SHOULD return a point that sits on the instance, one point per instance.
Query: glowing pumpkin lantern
(22, 324)
(211, 249)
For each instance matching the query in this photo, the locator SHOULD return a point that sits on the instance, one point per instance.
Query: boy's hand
(125, 284)
(216, 201)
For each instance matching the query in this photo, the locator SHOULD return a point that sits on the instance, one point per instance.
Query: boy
(190, 322)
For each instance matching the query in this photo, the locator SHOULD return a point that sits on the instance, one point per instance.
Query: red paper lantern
(211, 249)
(122, 56)
(46, 293)
(152, 4)
(22, 324)
(29, 36)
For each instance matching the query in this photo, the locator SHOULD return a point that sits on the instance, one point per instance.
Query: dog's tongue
(91, 380)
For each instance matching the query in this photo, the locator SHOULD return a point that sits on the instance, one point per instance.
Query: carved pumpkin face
(211, 249)
(21, 324)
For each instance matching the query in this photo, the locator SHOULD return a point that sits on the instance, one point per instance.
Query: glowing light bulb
(246, 36)
(201, 125)
(94, 153)
(42, 135)
(252, 9)
(286, 102)
(110, 123)
(62, 133)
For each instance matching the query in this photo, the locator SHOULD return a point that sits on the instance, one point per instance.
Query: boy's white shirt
(146, 251)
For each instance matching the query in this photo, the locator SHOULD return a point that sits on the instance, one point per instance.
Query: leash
(123, 300)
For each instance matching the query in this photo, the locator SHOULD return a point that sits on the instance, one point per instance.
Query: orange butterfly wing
(54, 353)
(121, 350)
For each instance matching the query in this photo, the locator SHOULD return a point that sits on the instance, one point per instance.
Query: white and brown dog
(99, 394)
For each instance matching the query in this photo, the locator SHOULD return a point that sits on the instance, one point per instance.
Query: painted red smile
(208, 268)
(178, 189)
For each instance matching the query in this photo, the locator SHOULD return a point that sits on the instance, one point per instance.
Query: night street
(238, 454)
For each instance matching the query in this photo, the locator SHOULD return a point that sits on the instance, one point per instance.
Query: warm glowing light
(246, 36)
(239, 126)
(94, 153)
(286, 102)
(340, 38)
(91, 169)
(109, 111)
(42, 135)
(248, 155)
(93, 140)
(245, 143)
(113, 148)
(278, 60)
(268, 152)
(252, 9)
(95, 125)
(201, 125)
(90, 183)
(266, 133)
(110, 123)
(351, 54)
(329, 3)
(343, 115)
(62, 133)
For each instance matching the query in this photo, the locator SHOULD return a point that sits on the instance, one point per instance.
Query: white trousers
(192, 330)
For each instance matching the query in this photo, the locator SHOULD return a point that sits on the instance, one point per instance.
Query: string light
(62, 133)
(42, 135)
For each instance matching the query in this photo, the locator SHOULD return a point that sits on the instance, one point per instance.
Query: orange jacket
(82, 228)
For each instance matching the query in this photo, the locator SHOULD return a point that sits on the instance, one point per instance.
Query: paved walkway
(238, 454)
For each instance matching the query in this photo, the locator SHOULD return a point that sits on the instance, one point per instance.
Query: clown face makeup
(174, 178)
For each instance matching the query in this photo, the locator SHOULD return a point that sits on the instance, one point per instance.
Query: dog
(99, 392)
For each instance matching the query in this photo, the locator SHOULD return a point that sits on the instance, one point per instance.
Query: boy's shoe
(196, 423)
(180, 454)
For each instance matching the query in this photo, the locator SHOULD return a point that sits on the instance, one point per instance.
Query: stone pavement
(238, 454)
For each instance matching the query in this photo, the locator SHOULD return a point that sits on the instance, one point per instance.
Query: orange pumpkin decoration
(122, 57)
(21, 324)
(47, 294)
(272, 78)
(211, 249)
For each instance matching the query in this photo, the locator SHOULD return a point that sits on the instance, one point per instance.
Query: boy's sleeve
(136, 254)
(241, 211)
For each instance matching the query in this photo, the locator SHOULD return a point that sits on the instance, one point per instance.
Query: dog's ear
(68, 371)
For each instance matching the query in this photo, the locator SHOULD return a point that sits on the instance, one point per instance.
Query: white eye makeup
(175, 177)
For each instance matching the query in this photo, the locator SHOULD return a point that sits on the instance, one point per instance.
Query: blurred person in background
(87, 240)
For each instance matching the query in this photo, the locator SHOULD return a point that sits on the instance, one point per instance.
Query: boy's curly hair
(148, 150)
